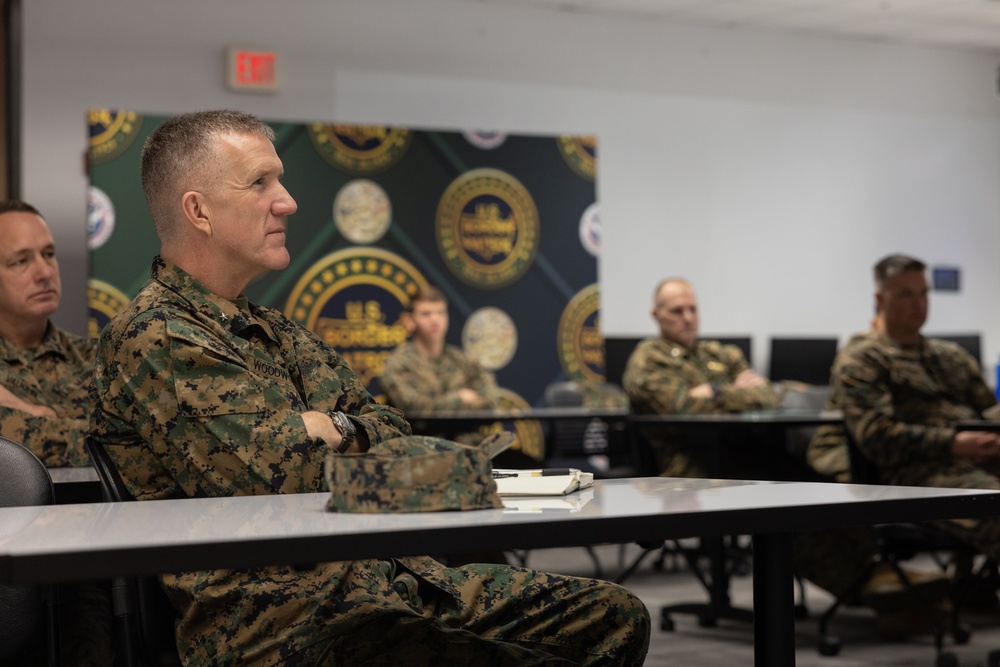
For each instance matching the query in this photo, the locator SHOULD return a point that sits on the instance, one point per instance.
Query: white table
(90, 541)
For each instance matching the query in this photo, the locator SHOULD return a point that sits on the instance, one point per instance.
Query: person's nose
(284, 204)
(43, 270)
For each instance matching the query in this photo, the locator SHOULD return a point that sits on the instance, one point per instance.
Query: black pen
(544, 472)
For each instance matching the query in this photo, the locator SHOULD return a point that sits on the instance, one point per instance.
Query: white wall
(772, 170)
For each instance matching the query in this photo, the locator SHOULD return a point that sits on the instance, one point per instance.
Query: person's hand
(979, 446)
(702, 391)
(10, 400)
(470, 397)
(748, 379)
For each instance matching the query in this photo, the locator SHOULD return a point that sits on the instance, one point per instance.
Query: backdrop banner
(506, 225)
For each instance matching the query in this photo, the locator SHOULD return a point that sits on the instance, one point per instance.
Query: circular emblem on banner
(530, 436)
(360, 149)
(105, 301)
(100, 217)
(490, 337)
(353, 299)
(580, 153)
(487, 228)
(361, 211)
(581, 345)
(590, 229)
(112, 131)
(485, 139)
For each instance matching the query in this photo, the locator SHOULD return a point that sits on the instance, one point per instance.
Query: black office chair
(897, 543)
(28, 614)
(805, 360)
(144, 617)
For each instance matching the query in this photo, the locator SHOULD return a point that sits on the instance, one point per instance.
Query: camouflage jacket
(900, 402)
(660, 373)
(416, 383)
(195, 395)
(57, 373)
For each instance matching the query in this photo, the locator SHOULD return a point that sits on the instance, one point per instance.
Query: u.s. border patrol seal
(100, 217)
(581, 345)
(580, 153)
(485, 139)
(360, 149)
(112, 131)
(530, 436)
(362, 211)
(490, 337)
(487, 228)
(104, 301)
(354, 299)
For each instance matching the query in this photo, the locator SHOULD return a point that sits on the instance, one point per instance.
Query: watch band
(347, 431)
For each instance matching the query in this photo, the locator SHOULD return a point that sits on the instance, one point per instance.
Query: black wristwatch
(347, 430)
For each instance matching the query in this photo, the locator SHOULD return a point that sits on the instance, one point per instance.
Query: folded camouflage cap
(413, 473)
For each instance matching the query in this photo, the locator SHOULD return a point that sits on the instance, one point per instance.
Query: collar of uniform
(234, 316)
(884, 339)
(51, 344)
(676, 349)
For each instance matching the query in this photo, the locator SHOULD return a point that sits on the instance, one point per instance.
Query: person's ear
(197, 211)
(408, 322)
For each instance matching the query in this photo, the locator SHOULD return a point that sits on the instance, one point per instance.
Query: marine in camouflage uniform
(658, 379)
(415, 382)
(57, 374)
(200, 395)
(901, 403)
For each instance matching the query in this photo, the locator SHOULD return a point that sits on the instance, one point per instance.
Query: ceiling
(964, 24)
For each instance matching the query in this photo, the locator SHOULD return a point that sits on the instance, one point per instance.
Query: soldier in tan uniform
(902, 395)
(200, 393)
(45, 374)
(426, 373)
(678, 374)
(44, 371)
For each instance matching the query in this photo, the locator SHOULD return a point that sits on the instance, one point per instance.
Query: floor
(731, 643)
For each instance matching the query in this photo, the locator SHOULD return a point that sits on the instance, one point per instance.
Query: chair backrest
(564, 395)
(616, 354)
(144, 616)
(863, 471)
(802, 359)
(27, 616)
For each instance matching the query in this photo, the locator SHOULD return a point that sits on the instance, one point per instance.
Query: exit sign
(252, 70)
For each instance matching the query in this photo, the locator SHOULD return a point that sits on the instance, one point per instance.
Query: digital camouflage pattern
(199, 396)
(658, 376)
(57, 374)
(901, 402)
(412, 474)
(416, 383)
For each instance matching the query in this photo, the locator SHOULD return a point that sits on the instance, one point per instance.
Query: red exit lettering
(254, 69)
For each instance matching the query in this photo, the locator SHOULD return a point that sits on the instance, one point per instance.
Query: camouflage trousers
(507, 616)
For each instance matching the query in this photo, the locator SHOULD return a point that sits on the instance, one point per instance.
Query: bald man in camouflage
(200, 393)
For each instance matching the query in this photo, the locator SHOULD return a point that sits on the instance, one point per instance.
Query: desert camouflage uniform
(57, 374)
(414, 382)
(658, 377)
(196, 395)
(900, 405)
(827, 452)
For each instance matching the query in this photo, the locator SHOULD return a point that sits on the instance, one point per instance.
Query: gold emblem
(487, 228)
(112, 131)
(580, 153)
(716, 366)
(360, 149)
(353, 299)
(361, 211)
(105, 301)
(490, 337)
(581, 345)
(530, 436)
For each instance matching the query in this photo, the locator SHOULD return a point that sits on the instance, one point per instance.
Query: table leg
(773, 600)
